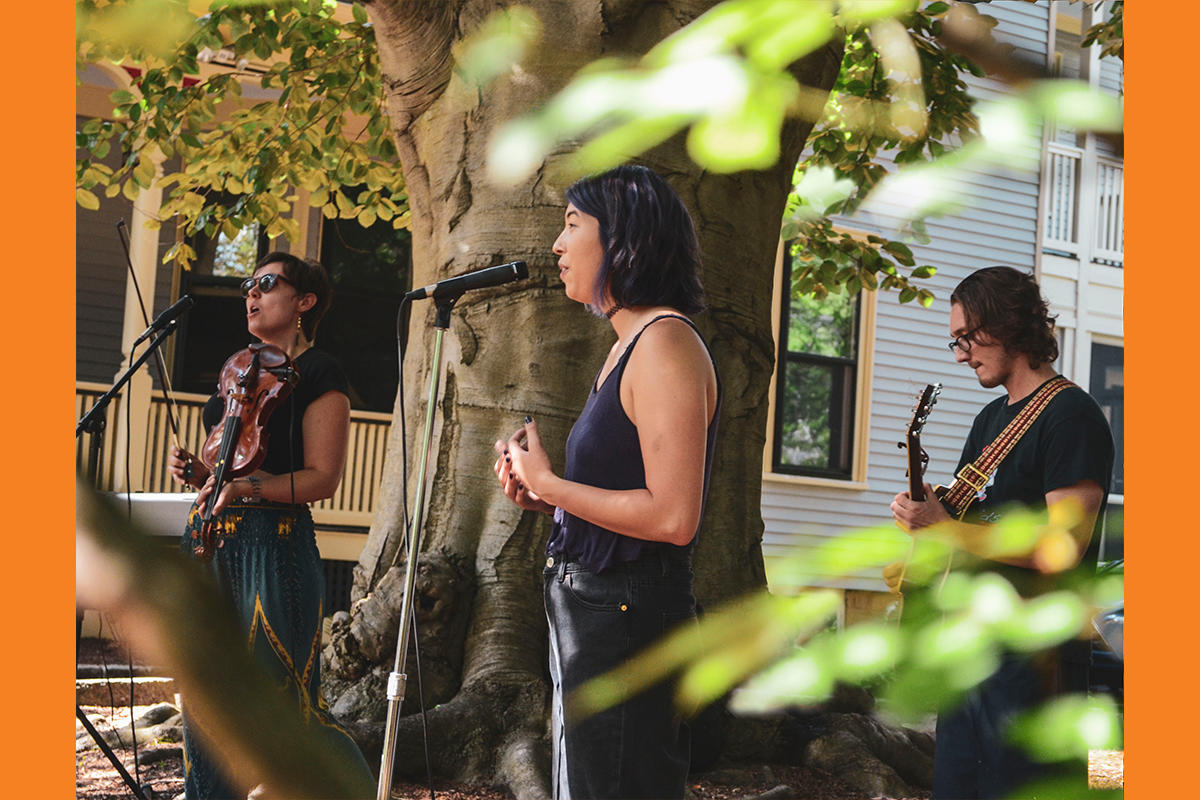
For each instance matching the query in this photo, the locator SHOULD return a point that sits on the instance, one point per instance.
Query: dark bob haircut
(306, 277)
(1007, 305)
(651, 255)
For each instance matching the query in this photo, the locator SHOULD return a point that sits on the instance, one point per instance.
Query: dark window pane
(804, 435)
(371, 270)
(816, 410)
(375, 259)
(1108, 387)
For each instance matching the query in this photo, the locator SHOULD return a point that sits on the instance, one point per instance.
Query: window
(1107, 385)
(816, 380)
(370, 270)
(215, 327)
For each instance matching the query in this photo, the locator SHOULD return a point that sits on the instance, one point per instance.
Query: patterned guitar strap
(974, 476)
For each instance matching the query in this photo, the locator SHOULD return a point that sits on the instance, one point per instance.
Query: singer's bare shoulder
(671, 358)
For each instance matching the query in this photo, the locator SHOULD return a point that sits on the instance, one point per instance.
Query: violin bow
(160, 367)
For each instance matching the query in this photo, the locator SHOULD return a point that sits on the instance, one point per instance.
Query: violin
(253, 382)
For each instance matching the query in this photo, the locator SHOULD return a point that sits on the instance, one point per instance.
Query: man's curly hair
(1007, 305)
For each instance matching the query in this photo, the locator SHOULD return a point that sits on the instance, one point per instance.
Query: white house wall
(998, 227)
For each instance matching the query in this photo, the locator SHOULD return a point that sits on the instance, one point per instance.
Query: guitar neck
(916, 469)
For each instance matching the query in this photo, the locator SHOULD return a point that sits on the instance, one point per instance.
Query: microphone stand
(398, 680)
(93, 423)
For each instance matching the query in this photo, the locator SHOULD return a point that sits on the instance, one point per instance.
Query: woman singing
(630, 499)
(268, 562)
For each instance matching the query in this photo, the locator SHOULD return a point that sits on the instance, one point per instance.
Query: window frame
(859, 417)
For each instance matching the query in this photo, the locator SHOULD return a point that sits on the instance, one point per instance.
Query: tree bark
(525, 349)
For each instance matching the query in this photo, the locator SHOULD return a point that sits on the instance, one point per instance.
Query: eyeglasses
(963, 342)
(265, 283)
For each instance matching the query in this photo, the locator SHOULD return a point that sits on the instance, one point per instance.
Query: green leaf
(360, 14)
(822, 190)
(1068, 727)
(87, 200)
(900, 252)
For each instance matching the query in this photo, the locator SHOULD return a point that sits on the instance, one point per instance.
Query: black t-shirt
(319, 373)
(1070, 441)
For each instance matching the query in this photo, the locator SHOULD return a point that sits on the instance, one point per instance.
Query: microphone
(173, 312)
(479, 279)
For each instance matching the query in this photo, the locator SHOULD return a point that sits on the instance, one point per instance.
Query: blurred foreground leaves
(171, 612)
(728, 81)
(770, 653)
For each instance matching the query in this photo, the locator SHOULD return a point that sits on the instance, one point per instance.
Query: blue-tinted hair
(651, 254)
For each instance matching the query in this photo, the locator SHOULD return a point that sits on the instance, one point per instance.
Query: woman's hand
(178, 461)
(517, 461)
(229, 492)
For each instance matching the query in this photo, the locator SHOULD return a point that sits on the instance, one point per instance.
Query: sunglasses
(265, 283)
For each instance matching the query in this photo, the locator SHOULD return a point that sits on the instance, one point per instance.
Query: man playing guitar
(1060, 449)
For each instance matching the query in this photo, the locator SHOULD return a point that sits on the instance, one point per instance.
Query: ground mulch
(97, 779)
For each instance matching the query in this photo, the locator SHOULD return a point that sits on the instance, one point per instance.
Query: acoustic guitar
(917, 461)
(917, 457)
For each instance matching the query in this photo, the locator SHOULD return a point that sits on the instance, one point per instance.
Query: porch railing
(1110, 212)
(352, 504)
(1066, 172)
(1063, 177)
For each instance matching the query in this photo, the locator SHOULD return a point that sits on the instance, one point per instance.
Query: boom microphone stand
(398, 680)
(92, 423)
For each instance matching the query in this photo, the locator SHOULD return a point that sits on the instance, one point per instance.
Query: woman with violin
(254, 530)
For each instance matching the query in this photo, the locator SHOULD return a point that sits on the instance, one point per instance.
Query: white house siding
(999, 226)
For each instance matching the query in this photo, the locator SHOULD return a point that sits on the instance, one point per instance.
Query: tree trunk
(525, 349)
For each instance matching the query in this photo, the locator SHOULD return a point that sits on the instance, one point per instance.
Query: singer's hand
(514, 488)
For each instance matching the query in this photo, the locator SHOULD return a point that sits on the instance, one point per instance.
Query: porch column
(143, 250)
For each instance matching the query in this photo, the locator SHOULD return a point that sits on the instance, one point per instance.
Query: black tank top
(603, 450)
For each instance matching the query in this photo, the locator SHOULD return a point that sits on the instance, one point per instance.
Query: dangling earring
(299, 327)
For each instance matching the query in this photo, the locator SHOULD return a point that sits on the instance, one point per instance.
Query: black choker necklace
(612, 311)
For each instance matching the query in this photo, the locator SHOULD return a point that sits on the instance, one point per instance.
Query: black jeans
(973, 758)
(638, 749)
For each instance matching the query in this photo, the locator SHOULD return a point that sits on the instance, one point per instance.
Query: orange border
(38, 475)
(1159, 429)
(39, 329)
